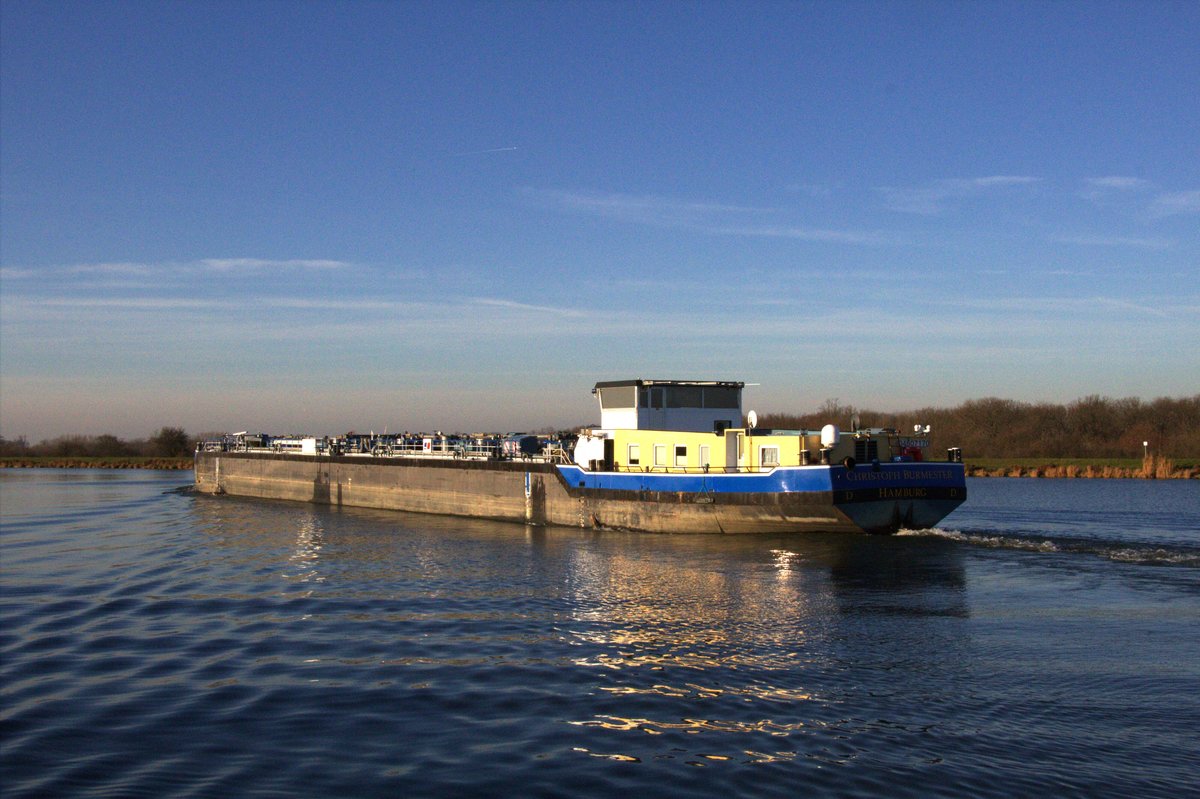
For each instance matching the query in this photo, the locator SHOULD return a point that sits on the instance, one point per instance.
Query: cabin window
(680, 455)
(660, 454)
(769, 456)
(635, 455)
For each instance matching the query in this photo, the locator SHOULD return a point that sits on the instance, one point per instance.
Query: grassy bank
(127, 462)
(1152, 467)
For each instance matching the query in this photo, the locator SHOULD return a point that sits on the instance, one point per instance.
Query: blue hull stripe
(783, 480)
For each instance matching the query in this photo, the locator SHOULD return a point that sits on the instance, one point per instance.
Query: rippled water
(159, 643)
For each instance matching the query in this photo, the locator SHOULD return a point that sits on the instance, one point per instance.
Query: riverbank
(1152, 468)
(130, 462)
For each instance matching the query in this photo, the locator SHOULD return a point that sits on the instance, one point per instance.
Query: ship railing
(457, 449)
(224, 445)
(412, 447)
(622, 467)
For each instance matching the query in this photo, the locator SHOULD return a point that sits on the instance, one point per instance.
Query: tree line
(168, 442)
(1091, 427)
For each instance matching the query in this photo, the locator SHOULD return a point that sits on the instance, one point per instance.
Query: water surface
(159, 643)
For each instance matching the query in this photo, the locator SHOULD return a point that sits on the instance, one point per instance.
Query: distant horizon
(466, 214)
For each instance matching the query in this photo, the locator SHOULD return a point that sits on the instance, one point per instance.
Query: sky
(316, 217)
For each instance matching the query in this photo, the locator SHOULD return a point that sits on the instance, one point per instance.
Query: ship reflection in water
(695, 647)
(741, 642)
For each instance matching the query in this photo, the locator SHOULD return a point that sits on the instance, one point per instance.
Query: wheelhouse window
(653, 397)
(618, 397)
(685, 397)
(721, 397)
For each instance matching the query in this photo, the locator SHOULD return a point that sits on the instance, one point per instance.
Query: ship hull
(883, 498)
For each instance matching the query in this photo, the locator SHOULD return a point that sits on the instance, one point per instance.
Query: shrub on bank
(1152, 467)
(132, 462)
(168, 442)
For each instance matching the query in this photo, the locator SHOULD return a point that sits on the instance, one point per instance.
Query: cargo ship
(671, 456)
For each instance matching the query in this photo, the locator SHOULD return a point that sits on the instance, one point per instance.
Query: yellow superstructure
(736, 449)
(689, 426)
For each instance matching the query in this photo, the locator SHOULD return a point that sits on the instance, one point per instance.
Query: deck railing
(436, 449)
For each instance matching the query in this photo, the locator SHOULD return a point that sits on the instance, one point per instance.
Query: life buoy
(848, 462)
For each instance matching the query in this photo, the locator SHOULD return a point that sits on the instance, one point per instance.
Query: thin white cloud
(520, 306)
(115, 268)
(1113, 188)
(323, 304)
(808, 234)
(811, 189)
(487, 151)
(1058, 305)
(1176, 203)
(1125, 305)
(147, 303)
(248, 264)
(648, 209)
(999, 180)
(714, 218)
(1115, 241)
(507, 309)
(159, 268)
(934, 198)
(15, 273)
(1118, 182)
(1069, 273)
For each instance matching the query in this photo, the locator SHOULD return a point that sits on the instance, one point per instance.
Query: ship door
(610, 449)
(732, 448)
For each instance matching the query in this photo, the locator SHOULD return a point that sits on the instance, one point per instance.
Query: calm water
(156, 643)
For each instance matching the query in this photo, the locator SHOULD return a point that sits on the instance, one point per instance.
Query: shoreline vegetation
(1151, 468)
(1092, 437)
(131, 462)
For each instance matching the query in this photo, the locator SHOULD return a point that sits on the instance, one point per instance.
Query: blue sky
(327, 216)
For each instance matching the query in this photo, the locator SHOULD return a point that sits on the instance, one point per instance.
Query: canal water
(157, 643)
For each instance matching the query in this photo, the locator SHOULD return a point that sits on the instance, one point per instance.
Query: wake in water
(1123, 551)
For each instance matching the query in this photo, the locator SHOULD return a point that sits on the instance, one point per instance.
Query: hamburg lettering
(903, 493)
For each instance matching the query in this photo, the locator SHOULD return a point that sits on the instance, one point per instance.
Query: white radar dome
(830, 435)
